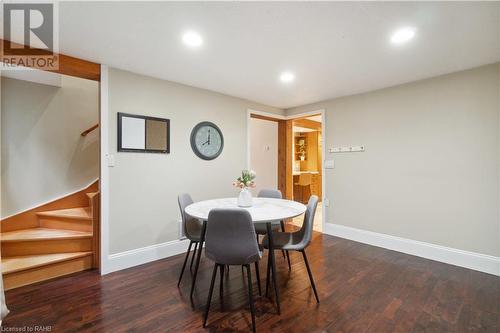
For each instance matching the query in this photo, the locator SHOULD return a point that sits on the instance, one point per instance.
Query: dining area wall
(430, 168)
(143, 187)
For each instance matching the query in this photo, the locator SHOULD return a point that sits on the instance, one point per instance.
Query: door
(264, 153)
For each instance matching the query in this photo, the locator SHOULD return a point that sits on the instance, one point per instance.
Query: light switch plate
(329, 164)
(111, 160)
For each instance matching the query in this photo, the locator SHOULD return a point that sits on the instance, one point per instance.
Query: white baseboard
(476, 261)
(144, 255)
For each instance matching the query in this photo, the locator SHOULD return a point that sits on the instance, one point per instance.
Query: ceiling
(334, 48)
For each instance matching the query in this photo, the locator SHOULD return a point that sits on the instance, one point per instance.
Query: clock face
(207, 140)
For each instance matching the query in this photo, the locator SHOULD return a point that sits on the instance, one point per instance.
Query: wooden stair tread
(42, 234)
(17, 264)
(82, 213)
(90, 195)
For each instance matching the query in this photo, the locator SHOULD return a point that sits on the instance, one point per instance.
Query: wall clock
(207, 140)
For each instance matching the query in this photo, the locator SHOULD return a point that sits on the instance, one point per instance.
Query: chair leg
(273, 267)
(288, 259)
(194, 254)
(221, 287)
(214, 273)
(257, 275)
(250, 296)
(310, 275)
(285, 252)
(197, 263)
(185, 261)
(267, 276)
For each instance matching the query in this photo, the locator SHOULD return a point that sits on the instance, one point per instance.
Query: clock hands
(208, 139)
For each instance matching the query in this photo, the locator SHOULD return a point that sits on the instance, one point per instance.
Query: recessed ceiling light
(192, 39)
(403, 35)
(287, 77)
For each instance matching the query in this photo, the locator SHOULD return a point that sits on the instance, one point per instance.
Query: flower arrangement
(246, 179)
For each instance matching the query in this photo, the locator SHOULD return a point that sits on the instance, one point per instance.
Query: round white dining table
(263, 210)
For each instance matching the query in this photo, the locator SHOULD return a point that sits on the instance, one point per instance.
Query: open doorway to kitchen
(307, 163)
(286, 152)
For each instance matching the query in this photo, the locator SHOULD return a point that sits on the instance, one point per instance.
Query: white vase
(245, 198)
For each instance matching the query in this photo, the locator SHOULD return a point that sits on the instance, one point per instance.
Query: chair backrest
(230, 237)
(305, 179)
(269, 193)
(185, 200)
(306, 230)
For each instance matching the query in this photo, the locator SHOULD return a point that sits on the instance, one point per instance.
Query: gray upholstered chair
(261, 228)
(192, 229)
(297, 241)
(230, 239)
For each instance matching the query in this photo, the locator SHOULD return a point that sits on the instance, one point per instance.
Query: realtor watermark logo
(30, 35)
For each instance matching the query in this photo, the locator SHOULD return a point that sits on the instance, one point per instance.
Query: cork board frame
(143, 134)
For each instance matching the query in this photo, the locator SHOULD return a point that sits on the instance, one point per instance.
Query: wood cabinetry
(307, 159)
(316, 185)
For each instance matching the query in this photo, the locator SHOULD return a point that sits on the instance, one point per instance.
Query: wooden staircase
(42, 244)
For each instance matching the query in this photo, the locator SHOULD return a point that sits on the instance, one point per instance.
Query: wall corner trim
(472, 260)
(143, 255)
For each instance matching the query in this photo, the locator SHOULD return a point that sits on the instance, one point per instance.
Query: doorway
(287, 154)
(307, 163)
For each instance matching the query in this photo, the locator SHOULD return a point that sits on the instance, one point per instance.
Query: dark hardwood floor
(362, 289)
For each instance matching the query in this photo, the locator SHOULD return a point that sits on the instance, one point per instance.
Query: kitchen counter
(296, 173)
(302, 193)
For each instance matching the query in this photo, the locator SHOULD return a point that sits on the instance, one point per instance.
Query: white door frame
(104, 172)
(323, 145)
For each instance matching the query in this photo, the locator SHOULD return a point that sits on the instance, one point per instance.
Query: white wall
(264, 153)
(43, 155)
(430, 171)
(143, 188)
